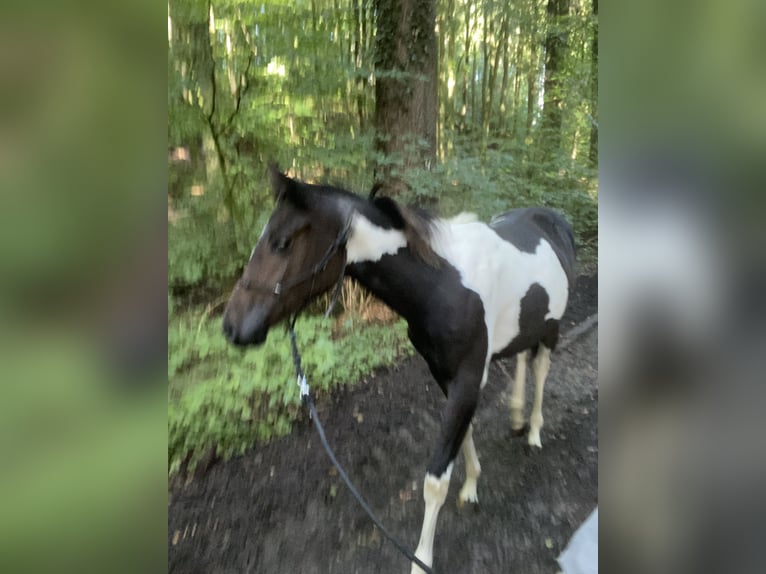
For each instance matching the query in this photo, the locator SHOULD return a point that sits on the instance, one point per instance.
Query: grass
(227, 399)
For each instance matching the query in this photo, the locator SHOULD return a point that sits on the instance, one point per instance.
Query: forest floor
(281, 508)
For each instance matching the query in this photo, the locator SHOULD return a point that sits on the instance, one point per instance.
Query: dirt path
(282, 509)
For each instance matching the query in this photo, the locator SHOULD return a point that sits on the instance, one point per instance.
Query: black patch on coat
(533, 327)
(524, 227)
(446, 326)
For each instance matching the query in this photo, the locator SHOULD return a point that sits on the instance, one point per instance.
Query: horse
(469, 292)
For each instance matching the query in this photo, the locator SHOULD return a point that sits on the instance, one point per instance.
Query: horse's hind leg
(472, 469)
(540, 367)
(517, 392)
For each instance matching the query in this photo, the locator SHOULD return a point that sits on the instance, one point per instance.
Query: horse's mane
(417, 224)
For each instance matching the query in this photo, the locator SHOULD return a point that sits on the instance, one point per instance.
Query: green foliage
(503, 180)
(228, 399)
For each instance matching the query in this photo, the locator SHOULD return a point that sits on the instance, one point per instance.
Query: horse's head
(300, 255)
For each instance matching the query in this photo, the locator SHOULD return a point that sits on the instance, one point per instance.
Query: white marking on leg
(540, 366)
(434, 493)
(517, 401)
(485, 376)
(472, 469)
(368, 242)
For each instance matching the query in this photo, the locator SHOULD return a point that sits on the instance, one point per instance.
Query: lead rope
(308, 399)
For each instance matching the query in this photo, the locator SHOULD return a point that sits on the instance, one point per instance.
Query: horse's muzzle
(252, 330)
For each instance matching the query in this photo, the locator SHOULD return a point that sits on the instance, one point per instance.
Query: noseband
(280, 286)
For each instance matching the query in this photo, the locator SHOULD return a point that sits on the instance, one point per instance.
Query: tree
(593, 151)
(405, 87)
(555, 52)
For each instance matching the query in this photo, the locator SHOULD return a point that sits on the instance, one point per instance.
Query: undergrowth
(226, 399)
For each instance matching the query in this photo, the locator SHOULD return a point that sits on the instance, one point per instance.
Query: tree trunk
(593, 151)
(473, 89)
(555, 48)
(500, 49)
(357, 40)
(503, 96)
(405, 87)
(532, 82)
(516, 84)
(486, 33)
(466, 66)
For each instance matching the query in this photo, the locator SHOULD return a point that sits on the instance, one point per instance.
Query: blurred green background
(84, 179)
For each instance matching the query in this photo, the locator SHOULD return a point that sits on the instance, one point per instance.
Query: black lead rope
(308, 399)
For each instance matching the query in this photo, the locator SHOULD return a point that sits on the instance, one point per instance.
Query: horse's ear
(284, 187)
(279, 181)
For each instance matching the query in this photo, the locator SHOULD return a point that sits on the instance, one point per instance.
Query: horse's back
(524, 228)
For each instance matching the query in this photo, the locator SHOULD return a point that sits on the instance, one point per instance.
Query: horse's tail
(567, 255)
(561, 233)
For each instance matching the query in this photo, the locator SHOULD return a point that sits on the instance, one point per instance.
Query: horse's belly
(526, 291)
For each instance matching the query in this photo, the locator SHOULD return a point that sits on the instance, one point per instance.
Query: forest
(455, 105)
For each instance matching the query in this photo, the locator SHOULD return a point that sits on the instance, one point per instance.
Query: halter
(280, 286)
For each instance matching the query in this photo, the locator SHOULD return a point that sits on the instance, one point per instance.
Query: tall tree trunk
(593, 150)
(406, 86)
(500, 48)
(442, 95)
(486, 33)
(215, 134)
(503, 96)
(532, 81)
(517, 83)
(473, 89)
(357, 41)
(466, 67)
(555, 49)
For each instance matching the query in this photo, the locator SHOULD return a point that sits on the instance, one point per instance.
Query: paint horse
(468, 291)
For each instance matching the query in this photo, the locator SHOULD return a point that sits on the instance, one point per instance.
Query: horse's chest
(449, 331)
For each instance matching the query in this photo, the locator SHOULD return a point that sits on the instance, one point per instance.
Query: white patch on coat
(464, 217)
(369, 242)
(501, 274)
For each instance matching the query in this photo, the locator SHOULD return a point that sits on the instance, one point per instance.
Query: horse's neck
(401, 281)
(379, 258)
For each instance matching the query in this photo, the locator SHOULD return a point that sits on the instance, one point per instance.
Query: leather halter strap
(280, 286)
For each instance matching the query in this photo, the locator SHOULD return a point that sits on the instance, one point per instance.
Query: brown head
(300, 255)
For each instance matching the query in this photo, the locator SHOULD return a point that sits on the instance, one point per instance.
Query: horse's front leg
(463, 395)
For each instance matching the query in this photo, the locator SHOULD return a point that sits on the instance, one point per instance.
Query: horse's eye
(281, 244)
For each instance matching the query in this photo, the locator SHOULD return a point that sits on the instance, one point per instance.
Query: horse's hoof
(521, 431)
(534, 440)
(461, 503)
(467, 495)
